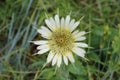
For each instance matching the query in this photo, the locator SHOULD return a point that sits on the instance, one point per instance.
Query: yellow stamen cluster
(61, 41)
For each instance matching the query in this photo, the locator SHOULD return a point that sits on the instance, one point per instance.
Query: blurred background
(18, 19)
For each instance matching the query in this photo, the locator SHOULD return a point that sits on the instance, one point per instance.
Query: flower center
(62, 41)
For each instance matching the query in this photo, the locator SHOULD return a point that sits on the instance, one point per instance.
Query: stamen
(61, 41)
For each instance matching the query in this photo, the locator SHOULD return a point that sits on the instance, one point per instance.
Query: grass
(18, 18)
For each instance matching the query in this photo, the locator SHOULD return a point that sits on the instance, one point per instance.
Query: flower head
(61, 40)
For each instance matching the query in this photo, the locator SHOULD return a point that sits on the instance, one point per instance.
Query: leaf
(77, 68)
(93, 56)
(48, 74)
(35, 64)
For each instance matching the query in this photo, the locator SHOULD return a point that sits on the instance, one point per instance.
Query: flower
(61, 39)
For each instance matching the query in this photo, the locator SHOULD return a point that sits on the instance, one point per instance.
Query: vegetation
(19, 18)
